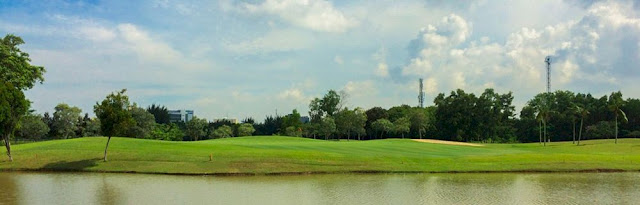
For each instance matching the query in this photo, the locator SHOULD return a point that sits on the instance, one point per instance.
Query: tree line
(458, 116)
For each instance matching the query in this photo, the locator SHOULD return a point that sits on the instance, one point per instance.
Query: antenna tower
(548, 61)
(421, 95)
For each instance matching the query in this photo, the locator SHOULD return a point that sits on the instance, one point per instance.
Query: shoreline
(243, 174)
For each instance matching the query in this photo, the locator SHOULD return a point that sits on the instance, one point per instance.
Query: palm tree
(615, 105)
(583, 113)
(543, 117)
(573, 112)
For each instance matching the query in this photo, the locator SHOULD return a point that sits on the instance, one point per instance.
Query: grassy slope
(285, 154)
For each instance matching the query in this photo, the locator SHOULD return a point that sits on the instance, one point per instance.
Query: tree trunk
(348, 136)
(574, 132)
(616, 141)
(540, 131)
(420, 133)
(105, 149)
(544, 143)
(8, 145)
(403, 135)
(580, 135)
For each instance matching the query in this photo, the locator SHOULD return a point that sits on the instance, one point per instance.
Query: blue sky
(249, 58)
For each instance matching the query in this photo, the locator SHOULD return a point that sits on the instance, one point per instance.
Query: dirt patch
(447, 142)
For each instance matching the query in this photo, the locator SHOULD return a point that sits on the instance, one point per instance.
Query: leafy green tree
(315, 110)
(293, 131)
(292, 120)
(195, 128)
(223, 131)
(401, 125)
(615, 104)
(160, 113)
(13, 105)
(245, 129)
(330, 102)
(65, 120)
(382, 126)
(327, 127)
(114, 115)
(167, 132)
(32, 127)
(144, 122)
(419, 120)
(374, 114)
(92, 128)
(15, 66)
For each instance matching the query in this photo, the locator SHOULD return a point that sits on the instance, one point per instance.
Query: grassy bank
(270, 154)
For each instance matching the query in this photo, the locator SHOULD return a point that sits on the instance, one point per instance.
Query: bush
(601, 130)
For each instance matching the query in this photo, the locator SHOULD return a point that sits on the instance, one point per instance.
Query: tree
(291, 120)
(245, 129)
(160, 113)
(65, 120)
(144, 122)
(327, 127)
(223, 131)
(329, 103)
(374, 114)
(583, 112)
(32, 127)
(615, 104)
(13, 105)
(195, 128)
(115, 119)
(92, 128)
(15, 67)
(419, 120)
(167, 132)
(401, 126)
(382, 126)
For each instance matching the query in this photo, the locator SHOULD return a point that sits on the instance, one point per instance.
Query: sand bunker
(447, 142)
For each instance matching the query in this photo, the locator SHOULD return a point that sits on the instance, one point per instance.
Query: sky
(241, 59)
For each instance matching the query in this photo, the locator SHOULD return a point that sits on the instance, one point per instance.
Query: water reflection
(97, 188)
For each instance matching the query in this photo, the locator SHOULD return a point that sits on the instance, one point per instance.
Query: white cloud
(360, 88)
(318, 15)
(274, 41)
(147, 48)
(294, 94)
(338, 60)
(582, 51)
(382, 70)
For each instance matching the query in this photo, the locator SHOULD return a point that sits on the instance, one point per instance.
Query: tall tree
(160, 113)
(65, 120)
(115, 119)
(329, 103)
(13, 105)
(15, 65)
(195, 128)
(32, 127)
(402, 125)
(615, 104)
(144, 122)
(327, 127)
(245, 129)
(583, 112)
(382, 126)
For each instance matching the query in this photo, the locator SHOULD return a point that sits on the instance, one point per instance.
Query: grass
(274, 154)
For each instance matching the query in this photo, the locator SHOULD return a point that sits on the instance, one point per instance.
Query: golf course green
(291, 155)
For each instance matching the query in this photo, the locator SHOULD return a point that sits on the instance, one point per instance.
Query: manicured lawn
(273, 154)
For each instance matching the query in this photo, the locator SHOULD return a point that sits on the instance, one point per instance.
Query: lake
(497, 188)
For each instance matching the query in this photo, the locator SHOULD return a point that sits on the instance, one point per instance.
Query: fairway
(275, 154)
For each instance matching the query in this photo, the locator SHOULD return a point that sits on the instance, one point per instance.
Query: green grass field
(272, 154)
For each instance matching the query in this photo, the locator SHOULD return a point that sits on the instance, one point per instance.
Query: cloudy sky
(249, 58)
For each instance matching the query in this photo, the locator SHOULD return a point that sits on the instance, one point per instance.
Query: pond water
(507, 188)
